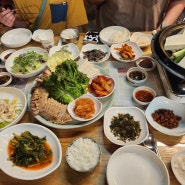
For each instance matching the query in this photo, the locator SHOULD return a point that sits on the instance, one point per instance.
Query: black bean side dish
(124, 127)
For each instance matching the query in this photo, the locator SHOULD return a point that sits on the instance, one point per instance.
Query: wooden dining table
(64, 175)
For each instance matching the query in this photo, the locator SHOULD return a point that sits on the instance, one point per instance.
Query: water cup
(46, 39)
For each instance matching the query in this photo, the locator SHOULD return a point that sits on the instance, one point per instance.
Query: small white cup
(46, 39)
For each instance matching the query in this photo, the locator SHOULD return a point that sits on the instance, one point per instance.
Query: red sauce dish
(143, 95)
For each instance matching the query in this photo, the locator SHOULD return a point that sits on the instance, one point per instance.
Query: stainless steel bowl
(69, 35)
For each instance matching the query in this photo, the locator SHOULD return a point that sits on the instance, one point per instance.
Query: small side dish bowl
(116, 129)
(83, 154)
(101, 86)
(173, 110)
(84, 108)
(5, 79)
(136, 76)
(69, 35)
(126, 51)
(146, 63)
(5, 54)
(143, 95)
(95, 53)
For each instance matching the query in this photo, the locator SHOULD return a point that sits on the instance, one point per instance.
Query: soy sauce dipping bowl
(136, 76)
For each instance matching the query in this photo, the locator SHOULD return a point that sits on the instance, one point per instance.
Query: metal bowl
(69, 35)
(163, 56)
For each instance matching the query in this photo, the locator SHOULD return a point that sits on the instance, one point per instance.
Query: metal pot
(162, 56)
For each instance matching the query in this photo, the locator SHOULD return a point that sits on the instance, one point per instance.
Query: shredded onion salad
(9, 111)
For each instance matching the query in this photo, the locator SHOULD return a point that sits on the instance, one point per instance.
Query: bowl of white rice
(83, 154)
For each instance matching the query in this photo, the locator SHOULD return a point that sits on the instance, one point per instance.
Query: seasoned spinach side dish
(28, 62)
(27, 150)
(124, 127)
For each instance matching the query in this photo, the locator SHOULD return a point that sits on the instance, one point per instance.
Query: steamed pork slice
(48, 108)
(55, 112)
(38, 99)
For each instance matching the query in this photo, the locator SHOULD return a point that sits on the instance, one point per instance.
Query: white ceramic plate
(70, 47)
(114, 34)
(90, 47)
(77, 124)
(97, 105)
(162, 102)
(141, 39)
(136, 50)
(10, 62)
(138, 115)
(40, 131)
(16, 38)
(37, 32)
(177, 164)
(11, 93)
(135, 164)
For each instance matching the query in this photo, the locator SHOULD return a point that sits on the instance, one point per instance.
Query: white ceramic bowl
(146, 63)
(10, 62)
(97, 106)
(22, 173)
(90, 47)
(136, 76)
(95, 83)
(143, 95)
(114, 34)
(5, 79)
(83, 154)
(5, 54)
(137, 114)
(137, 52)
(11, 93)
(178, 109)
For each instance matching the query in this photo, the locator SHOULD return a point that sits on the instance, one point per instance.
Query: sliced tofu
(175, 42)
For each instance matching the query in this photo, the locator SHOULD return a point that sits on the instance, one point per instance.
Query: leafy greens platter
(106, 103)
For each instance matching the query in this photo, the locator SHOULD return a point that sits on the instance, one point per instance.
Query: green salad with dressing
(28, 62)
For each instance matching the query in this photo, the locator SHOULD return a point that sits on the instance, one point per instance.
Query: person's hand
(7, 17)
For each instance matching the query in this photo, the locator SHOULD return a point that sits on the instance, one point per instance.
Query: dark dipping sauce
(144, 96)
(6, 56)
(146, 63)
(137, 75)
(4, 79)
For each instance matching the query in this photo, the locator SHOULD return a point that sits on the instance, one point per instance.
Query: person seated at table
(57, 14)
(138, 15)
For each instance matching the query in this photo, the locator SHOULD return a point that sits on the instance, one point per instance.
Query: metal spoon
(151, 144)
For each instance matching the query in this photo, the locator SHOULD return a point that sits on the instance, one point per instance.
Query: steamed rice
(83, 154)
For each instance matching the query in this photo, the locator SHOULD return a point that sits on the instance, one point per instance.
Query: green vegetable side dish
(66, 83)
(124, 127)
(29, 150)
(28, 62)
